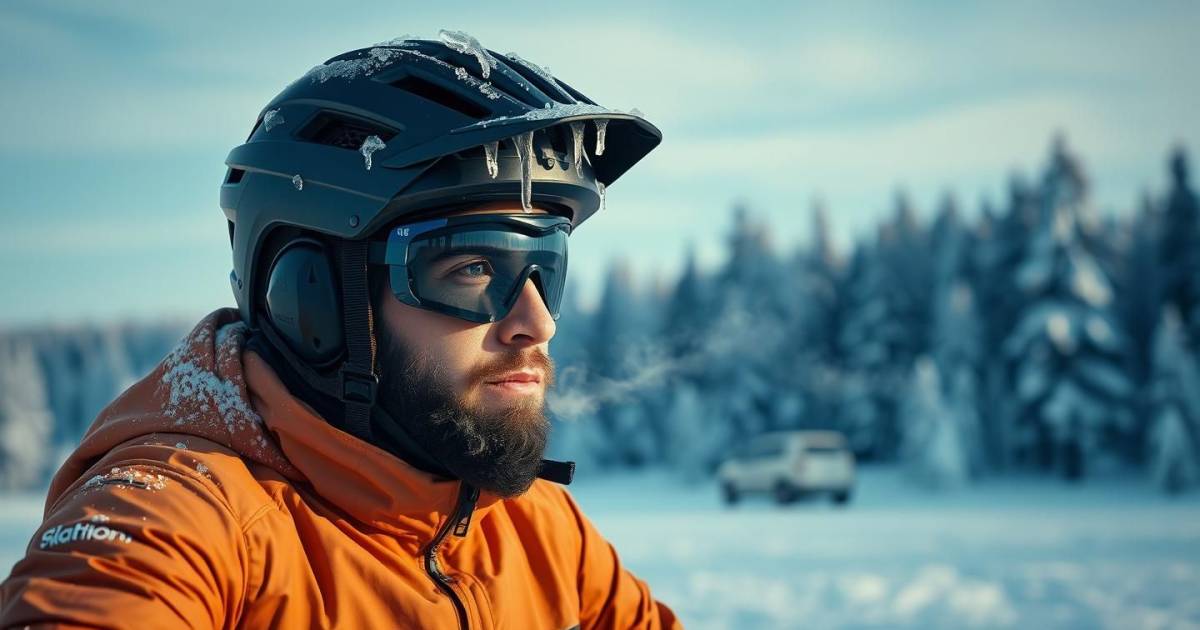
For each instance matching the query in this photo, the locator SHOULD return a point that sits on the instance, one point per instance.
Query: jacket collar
(368, 483)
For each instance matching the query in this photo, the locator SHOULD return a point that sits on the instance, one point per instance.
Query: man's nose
(529, 322)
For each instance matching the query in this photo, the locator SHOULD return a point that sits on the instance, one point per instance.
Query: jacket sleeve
(140, 546)
(609, 595)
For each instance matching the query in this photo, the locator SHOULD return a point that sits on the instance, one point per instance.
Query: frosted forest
(1031, 335)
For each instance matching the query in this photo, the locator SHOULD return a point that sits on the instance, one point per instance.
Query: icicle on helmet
(385, 133)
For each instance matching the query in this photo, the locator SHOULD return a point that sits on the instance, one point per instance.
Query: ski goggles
(475, 266)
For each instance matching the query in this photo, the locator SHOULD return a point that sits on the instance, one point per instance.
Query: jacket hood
(208, 388)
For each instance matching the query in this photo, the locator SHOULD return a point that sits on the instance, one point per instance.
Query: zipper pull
(466, 508)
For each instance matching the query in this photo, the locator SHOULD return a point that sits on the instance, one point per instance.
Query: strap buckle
(358, 386)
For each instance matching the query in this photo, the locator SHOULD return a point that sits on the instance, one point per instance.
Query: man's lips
(517, 377)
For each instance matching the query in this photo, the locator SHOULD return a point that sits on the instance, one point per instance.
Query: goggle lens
(474, 267)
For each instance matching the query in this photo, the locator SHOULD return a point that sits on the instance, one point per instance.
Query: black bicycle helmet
(382, 133)
(426, 103)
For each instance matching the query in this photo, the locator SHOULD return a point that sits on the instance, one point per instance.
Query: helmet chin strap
(359, 382)
(356, 383)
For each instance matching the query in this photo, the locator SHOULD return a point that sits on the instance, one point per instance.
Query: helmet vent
(235, 176)
(440, 95)
(342, 131)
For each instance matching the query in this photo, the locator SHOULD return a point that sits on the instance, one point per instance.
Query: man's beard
(496, 450)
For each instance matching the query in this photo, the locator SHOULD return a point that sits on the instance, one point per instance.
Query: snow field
(1003, 554)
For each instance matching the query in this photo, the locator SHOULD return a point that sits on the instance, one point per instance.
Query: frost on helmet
(636, 112)
(549, 112)
(370, 146)
(298, 182)
(490, 150)
(525, 151)
(601, 128)
(467, 45)
(577, 131)
(272, 119)
(489, 91)
(541, 71)
(601, 189)
(403, 40)
(368, 64)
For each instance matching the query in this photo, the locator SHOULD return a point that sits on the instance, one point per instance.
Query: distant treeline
(1036, 336)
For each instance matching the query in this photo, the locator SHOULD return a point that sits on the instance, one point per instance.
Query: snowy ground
(1029, 554)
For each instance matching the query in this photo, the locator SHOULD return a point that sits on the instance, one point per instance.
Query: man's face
(472, 395)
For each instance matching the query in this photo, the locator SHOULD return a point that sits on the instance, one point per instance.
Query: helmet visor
(474, 267)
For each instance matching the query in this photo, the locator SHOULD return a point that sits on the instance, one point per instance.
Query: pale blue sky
(117, 117)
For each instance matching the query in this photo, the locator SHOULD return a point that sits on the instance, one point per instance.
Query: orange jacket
(206, 496)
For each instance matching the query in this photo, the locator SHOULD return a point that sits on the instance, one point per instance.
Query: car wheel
(729, 493)
(784, 493)
(841, 498)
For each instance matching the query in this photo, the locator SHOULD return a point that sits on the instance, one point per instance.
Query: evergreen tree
(868, 391)
(955, 332)
(1066, 347)
(1003, 240)
(814, 319)
(611, 366)
(1174, 445)
(25, 419)
(934, 450)
(1180, 248)
(1139, 307)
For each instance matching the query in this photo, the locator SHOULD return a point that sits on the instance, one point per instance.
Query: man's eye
(477, 269)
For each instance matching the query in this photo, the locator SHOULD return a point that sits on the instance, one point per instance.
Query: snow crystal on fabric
(126, 477)
(194, 392)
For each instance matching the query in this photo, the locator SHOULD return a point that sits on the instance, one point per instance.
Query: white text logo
(63, 534)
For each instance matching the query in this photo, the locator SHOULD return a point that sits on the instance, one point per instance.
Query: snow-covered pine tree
(865, 388)
(1067, 350)
(1139, 308)
(1003, 238)
(955, 330)
(812, 347)
(26, 424)
(933, 449)
(887, 325)
(743, 350)
(1180, 245)
(611, 349)
(1174, 438)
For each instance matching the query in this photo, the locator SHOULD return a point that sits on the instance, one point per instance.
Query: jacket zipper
(459, 521)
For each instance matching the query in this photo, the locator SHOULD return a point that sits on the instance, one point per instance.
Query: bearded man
(359, 444)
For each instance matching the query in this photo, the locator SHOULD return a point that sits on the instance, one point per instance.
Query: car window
(766, 449)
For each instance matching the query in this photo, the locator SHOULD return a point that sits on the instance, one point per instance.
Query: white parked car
(788, 465)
